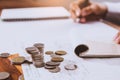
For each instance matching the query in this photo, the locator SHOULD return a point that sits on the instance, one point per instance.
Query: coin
(60, 52)
(70, 67)
(40, 47)
(21, 77)
(57, 59)
(4, 55)
(30, 49)
(49, 67)
(80, 49)
(4, 76)
(49, 52)
(18, 60)
(35, 52)
(54, 55)
(50, 63)
(57, 69)
(38, 64)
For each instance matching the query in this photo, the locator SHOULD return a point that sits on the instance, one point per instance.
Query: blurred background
(36, 3)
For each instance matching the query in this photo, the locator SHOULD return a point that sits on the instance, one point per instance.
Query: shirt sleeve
(113, 7)
(113, 14)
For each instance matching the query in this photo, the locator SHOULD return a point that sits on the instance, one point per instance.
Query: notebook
(36, 13)
(99, 39)
(101, 49)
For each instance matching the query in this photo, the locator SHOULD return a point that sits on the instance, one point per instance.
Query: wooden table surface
(6, 66)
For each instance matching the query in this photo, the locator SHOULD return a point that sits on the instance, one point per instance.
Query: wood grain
(5, 65)
(33, 3)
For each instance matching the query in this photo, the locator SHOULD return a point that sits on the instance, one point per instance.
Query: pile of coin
(5, 76)
(52, 66)
(56, 59)
(4, 55)
(37, 54)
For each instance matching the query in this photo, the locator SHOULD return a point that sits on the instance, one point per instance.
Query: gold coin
(60, 52)
(49, 52)
(18, 60)
(57, 59)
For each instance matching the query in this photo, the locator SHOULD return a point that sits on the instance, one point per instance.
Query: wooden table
(6, 66)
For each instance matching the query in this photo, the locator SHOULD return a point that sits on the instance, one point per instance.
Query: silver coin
(4, 55)
(70, 66)
(4, 75)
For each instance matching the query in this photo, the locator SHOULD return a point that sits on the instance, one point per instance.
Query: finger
(86, 11)
(74, 6)
(73, 16)
(83, 20)
(118, 40)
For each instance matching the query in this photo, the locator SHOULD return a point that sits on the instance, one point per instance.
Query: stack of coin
(40, 47)
(4, 55)
(5, 76)
(37, 54)
(52, 66)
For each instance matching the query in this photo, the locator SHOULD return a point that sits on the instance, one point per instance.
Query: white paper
(57, 35)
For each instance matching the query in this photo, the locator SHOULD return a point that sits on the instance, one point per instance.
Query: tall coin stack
(37, 54)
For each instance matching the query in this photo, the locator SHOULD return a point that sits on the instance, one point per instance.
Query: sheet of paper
(57, 35)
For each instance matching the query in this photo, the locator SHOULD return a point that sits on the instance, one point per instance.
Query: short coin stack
(37, 54)
(56, 59)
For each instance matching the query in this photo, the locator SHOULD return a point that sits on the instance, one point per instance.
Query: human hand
(89, 12)
(117, 38)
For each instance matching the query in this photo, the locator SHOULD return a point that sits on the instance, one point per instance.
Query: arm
(113, 14)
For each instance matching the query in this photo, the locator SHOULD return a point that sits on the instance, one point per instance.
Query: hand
(92, 11)
(117, 38)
